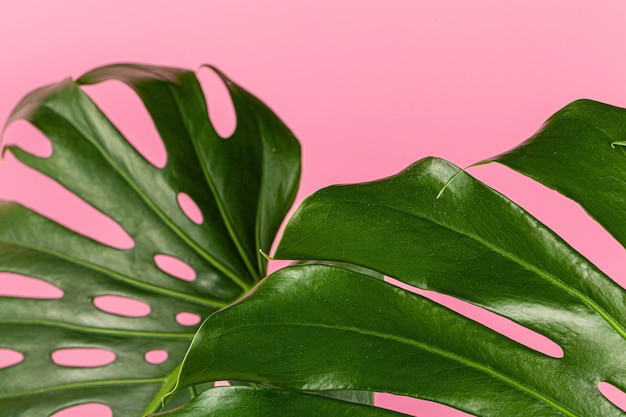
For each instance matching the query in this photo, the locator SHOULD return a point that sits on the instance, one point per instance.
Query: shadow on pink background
(367, 87)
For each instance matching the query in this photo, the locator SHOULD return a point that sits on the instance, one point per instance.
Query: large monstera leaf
(243, 186)
(322, 327)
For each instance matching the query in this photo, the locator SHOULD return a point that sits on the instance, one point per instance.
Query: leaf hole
(416, 407)
(219, 102)
(122, 306)
(187, 319)
(127, 112)
(28, 138)
(156, 357)
(500, 324)
(175, 267)
(20, 286)
(82, 410)
(190, 208)
(10, 357)
(613, 394)
(50, 199)
(83, 357)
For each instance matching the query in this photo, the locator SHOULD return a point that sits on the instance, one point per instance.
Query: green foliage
(263, 402)
(243, 185)
(329, 325)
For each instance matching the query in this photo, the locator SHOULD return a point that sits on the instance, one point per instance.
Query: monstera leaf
(263, 402)
(317, 338)
(322, 327)
(243, 186)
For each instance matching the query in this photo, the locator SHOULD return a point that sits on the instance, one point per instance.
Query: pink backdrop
(368, 87)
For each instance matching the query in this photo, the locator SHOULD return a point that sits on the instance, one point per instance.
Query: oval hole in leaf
(190, 208)
(83, 357)
(502, 325)
(175, 267)
(122, 306)
(20, 286)
(82, 410)
(27, 137)
(50, 199)
(416, 407)
(156, 357)
(10, 357)
(219, 102)
(125, 109)
(187, 319)
(613, 394)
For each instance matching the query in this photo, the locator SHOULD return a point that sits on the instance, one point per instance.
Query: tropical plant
(329, 325)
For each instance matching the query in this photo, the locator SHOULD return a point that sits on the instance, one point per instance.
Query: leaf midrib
(97, 330)
(218, 200)
(85, 384)
(179, 232)
(446, 354)
(553, 280)
(121, 277)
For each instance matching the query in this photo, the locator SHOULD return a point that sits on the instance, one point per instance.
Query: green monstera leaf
(323, 327)
(243, 186)
(317, 338)
(263, 402)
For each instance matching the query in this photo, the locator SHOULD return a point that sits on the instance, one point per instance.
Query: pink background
(368, 87)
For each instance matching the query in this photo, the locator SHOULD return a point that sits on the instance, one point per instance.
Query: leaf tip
(265, 255)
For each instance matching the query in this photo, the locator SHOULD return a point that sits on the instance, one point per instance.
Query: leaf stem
(169, 382)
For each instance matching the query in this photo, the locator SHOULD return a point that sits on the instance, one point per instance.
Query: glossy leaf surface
(324, 328)
(332, 327)
(471, 243)
(580, 153)
(243, 185)
(263, 402)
